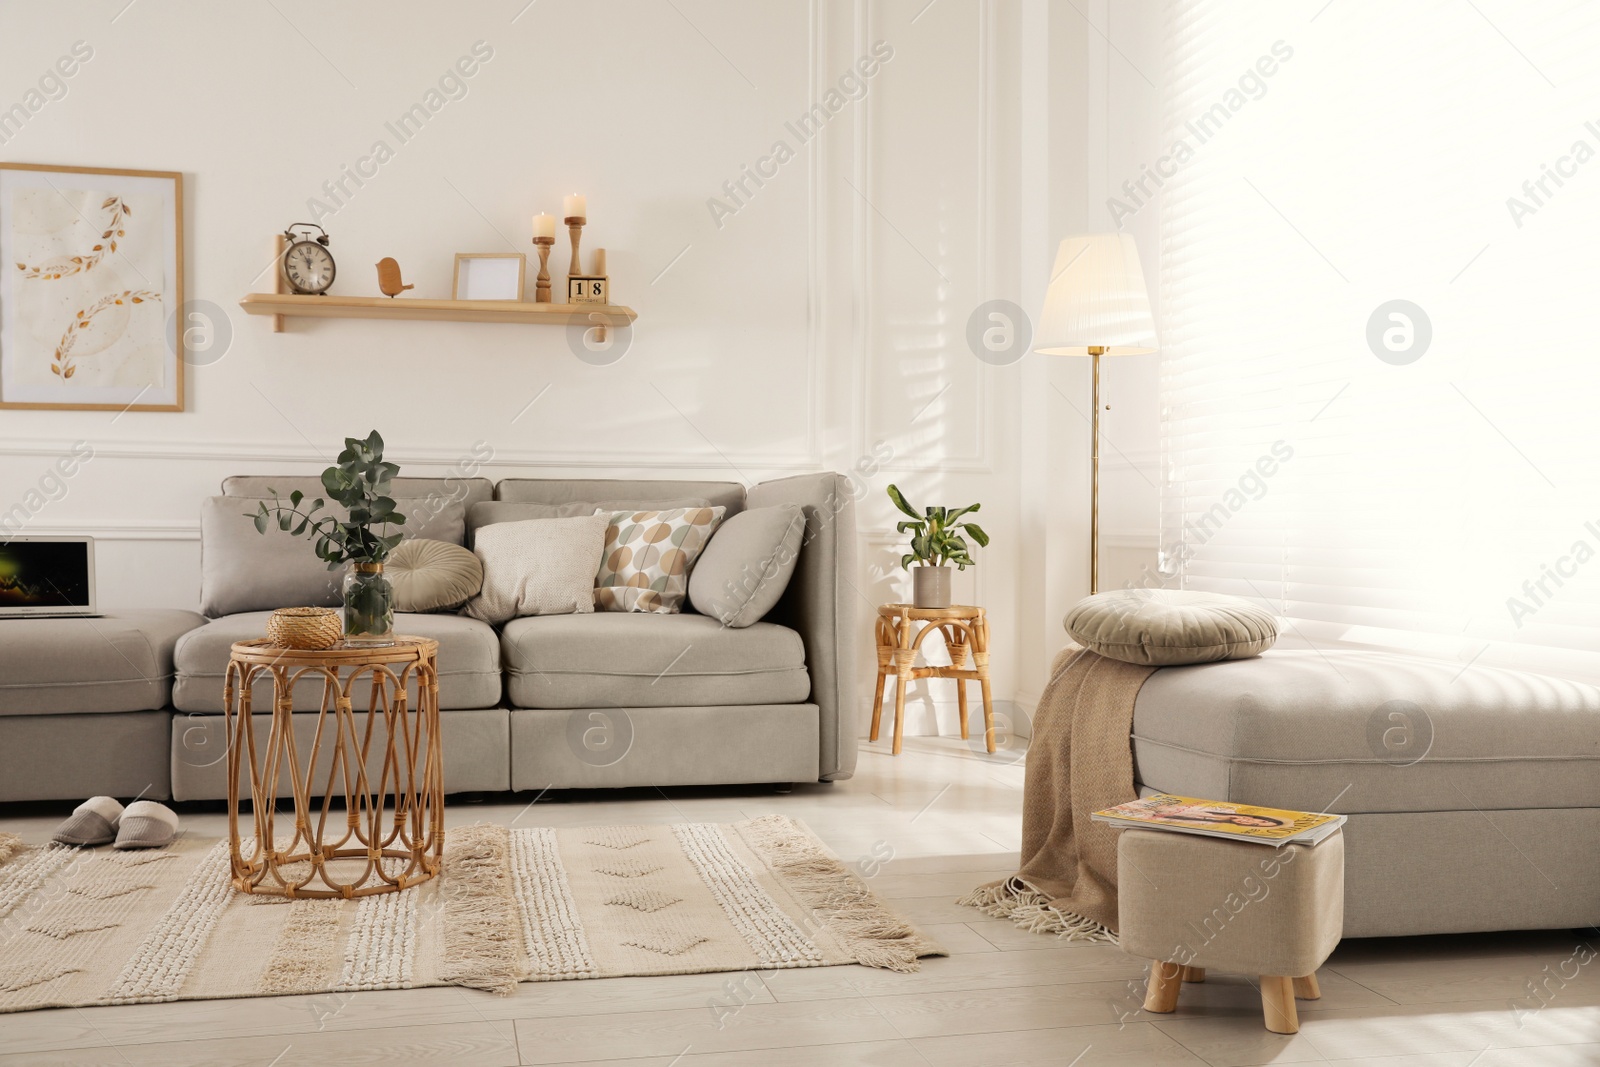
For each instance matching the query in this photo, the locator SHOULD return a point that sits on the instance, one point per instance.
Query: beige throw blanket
(1079, 761)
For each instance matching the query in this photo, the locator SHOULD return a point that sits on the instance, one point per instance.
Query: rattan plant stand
(901, 629)
(391, 834)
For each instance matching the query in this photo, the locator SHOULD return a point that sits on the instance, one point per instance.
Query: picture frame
(91, 289)
(489, 276)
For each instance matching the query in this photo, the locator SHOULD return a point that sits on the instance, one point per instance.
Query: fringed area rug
(82, 927)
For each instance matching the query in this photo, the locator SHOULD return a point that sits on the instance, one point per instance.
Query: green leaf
(261, 520)
(977, 533)
(284, 518)
(954, 515)
(900, 502)
(906, 561)
(295, 498)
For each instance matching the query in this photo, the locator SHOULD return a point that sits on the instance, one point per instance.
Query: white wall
(820, 325)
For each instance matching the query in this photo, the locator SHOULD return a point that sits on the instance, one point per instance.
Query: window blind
(1379, 268)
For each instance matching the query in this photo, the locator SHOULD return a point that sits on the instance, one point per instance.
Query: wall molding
(131, 530)
(436, 456)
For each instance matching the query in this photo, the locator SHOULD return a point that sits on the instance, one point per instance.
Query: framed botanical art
(91, 288)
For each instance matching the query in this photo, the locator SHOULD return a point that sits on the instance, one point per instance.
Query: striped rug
(83, 927)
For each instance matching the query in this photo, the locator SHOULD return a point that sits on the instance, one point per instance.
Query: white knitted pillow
(538, 567)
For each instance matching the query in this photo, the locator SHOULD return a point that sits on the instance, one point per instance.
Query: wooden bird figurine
(389, 278)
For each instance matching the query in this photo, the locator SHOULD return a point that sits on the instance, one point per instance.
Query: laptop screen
(45, 574)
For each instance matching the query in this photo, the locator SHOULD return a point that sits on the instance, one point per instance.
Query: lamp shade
(1096, 299)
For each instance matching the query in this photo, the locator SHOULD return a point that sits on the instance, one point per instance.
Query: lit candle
(544, 225)
(575, 207)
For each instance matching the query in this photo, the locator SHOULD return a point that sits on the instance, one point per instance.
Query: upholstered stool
(1188, 903)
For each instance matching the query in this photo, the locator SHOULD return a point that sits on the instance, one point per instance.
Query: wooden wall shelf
(404, 308)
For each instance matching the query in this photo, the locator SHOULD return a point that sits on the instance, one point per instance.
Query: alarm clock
(307, 264)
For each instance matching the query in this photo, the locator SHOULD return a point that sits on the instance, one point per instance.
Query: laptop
(47, 577)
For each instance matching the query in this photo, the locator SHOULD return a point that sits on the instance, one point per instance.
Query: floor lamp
(1096, 306)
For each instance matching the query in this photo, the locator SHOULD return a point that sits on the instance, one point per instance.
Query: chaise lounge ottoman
(1473, 794)
(81, 704)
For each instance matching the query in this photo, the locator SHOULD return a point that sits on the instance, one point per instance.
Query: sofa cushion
(648, 556)
(430, 575)
(469, 661)
(649, 492)
(121, 661)
(492, 511)
(429, 496)
(1368, 732)
(244, 570)
(1163, 627)
(743, 572)
(642, 659)
(538, 567)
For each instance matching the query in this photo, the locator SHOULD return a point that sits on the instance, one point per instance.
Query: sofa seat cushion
(1368, 732)
(647, 660)
(469, 661)
(121, 661)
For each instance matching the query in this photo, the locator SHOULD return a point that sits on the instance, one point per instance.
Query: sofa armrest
(820, 604)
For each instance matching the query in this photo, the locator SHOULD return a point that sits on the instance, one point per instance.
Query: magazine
(1217, 818)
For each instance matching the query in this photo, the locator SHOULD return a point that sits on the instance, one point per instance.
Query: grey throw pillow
(743, 572)
(1171, 627)
(242, 570)
(432, 575)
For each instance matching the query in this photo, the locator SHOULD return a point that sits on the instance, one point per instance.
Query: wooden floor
(923, 827)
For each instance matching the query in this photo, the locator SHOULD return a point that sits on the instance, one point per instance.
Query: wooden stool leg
(961, 705)
(905, 657)
(1166, 980)
(1307, 988)
(980, 663)
(877, 705)
(1277, 1004)
(899, 711)
(886, 641)
(1197, 974)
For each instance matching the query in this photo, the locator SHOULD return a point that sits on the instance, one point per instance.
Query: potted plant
(359, 482)
(936, 542)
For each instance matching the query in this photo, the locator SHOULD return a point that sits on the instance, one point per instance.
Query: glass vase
(368, 606)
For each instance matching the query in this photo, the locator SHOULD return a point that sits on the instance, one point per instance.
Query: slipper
(146, 824)
(94, 822)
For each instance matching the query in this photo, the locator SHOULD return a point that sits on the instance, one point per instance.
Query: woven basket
(306, 629)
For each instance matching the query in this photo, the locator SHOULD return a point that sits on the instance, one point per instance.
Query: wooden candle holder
(542, 284)
(575, 231)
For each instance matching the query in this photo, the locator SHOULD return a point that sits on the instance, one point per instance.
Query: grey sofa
(131, 704)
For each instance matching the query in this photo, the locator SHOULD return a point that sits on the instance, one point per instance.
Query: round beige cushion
(1168, 627)
(432, 575)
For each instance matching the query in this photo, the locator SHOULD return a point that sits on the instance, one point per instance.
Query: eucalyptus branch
(359, 482)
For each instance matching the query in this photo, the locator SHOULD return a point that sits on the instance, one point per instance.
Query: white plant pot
(930, 587)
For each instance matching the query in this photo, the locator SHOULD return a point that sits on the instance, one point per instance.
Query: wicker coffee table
(390, 835)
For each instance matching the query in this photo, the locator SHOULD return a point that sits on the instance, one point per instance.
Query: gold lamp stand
(1095, 352)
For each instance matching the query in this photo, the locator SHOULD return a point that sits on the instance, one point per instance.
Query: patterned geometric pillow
(648, 556)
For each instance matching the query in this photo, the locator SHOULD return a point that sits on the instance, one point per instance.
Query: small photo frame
(489, 276)
(91, 290)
